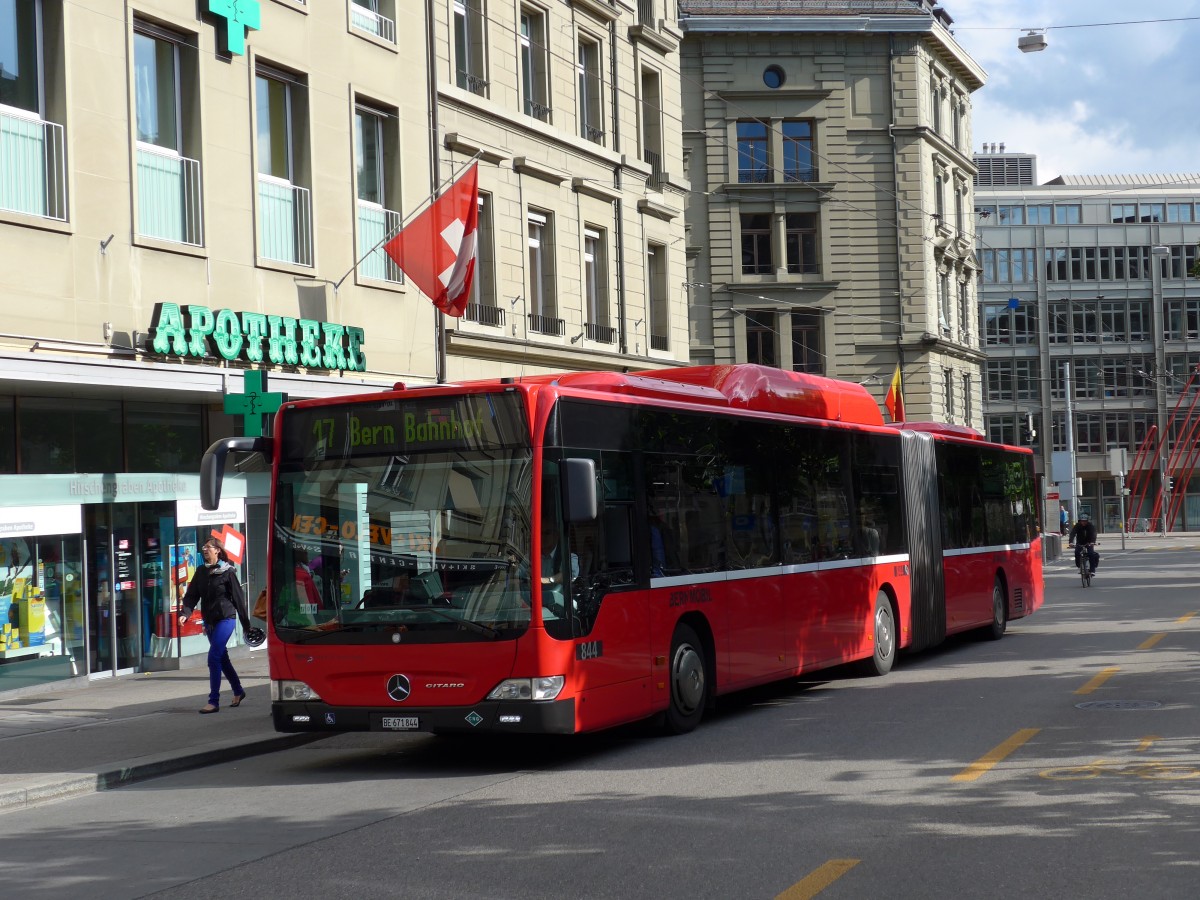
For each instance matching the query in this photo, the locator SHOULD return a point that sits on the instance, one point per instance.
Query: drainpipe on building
(435, 167)
(896, 194)
(618, 206)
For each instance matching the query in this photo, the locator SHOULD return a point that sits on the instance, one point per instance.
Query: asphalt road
(1062, 761)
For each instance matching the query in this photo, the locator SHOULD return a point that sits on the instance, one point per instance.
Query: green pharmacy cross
(254, 403)
(239, 15)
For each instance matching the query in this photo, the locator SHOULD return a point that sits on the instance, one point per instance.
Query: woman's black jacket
(219, 594)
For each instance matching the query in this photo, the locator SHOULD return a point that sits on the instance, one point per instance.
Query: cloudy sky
(1100, 99)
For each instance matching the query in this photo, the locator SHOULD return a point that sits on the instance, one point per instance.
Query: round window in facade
(773, 77)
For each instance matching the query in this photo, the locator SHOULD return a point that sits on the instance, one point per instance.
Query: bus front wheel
(883, 638)
(689, 681)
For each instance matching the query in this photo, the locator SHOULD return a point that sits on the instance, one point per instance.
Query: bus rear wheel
(999, 625)
(689, 681)
(883, 638)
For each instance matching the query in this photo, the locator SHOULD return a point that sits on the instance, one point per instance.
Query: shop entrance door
(113, 610)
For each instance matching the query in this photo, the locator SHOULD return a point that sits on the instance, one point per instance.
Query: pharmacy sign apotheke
(198, 332)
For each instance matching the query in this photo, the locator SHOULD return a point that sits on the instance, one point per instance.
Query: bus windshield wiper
(459, 620)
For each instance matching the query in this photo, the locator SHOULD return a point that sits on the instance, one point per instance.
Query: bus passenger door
(612, 644)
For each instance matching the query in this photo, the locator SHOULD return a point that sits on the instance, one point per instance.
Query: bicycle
(1085, 564)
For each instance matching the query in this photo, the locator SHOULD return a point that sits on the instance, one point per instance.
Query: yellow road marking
(989, 760)
(1104, 675)
(1183, 619)
(1151, 641)
(1147, 741)
(817, 880)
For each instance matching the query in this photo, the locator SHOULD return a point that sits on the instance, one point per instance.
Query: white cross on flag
(437, 248)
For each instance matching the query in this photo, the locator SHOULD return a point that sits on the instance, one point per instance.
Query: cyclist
(1083, 538)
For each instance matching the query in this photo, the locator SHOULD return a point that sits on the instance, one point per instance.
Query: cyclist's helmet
(255, 636)
(1083, 517)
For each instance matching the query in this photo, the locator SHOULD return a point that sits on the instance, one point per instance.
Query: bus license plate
(401, 723)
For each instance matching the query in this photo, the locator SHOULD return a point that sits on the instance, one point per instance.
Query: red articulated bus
(566, 553)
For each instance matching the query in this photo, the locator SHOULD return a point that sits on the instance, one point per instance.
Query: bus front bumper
(495, 717)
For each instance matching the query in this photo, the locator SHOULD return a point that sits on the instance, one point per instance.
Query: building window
(798, 151)
(1123, 212)
(1006, 327)
(595, 285)
(957, 107)
(1012, 379)
(948, 391)
(1083, 263)
(935, 103)
(960, 193)
(774, 77)
(285, 207)
(1182, 261)
(33, 174)
(1068, 214)
(806, 343)
(1008, 266)
(469, 47)
(1153, 212)
(1183, 319)
(168, 179)
(1010, 215)
(964, 311)
(375, 152)
(651, 122)
(534, 68)
(1001, 429)
(1056, 263)
(1179, 212)
(756, 244)
(760, 337)
(754, 164)
(543, 299)
(968, 405)
(483, 308)
(377, 17)
(656, 291)
(1039, 215)
(591, 123)
(939, 198)
(800, 240)
(944, 310)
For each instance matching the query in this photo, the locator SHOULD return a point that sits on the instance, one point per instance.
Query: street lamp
(1031, 42)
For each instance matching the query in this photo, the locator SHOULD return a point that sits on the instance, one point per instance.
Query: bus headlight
(543, 688)
(292, 690)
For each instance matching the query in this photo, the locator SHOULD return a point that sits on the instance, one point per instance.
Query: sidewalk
(82, 738)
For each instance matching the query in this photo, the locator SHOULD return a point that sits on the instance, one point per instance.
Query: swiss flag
(437, 248)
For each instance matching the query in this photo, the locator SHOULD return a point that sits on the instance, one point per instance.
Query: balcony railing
(485, 315)
(657, 175)
(169, 205)
(284, 221)
(659, 342)
(373, 23)
(539, 111)
(375, 225)
(601, 334)
(33, 167)
(469, 81)
(754, 175)
(546, 324)
(595, 135)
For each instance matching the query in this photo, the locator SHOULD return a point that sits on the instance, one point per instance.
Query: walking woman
(216, 588)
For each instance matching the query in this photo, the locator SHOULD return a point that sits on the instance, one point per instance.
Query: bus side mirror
(579, 490)
(212, 466)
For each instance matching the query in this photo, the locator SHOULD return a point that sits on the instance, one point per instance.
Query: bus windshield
(403, 520)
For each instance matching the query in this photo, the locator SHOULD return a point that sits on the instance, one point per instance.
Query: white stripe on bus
(769, 571)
